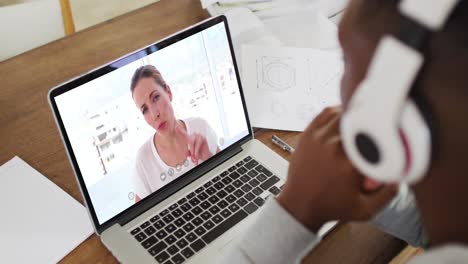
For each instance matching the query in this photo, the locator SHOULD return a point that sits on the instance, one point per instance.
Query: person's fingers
(197, 147)
(369, 204)
(332, 128)
(325, 116)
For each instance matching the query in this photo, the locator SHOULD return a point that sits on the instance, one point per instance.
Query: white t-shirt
(152, 172)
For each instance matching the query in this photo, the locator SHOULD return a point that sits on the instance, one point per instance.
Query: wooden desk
(28, 129)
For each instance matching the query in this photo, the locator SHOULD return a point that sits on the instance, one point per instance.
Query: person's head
(153, 98)
(443, 85)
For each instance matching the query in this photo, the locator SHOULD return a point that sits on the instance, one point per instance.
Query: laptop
(165, 212)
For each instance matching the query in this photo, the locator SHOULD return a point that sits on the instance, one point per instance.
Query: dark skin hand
(322, 184)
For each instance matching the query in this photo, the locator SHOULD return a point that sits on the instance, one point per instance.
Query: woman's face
(155, 104)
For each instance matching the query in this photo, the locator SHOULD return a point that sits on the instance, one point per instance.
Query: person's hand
(197, 145)
(323, 185)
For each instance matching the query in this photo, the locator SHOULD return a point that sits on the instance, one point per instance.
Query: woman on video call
(177, 145)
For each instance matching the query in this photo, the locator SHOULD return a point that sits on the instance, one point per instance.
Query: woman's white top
(152, 172)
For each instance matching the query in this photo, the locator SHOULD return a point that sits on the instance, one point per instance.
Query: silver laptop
(145, 207)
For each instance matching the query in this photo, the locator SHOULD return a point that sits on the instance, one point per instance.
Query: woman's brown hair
(147, 71)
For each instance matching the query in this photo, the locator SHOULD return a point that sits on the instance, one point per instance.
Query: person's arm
(274, 237)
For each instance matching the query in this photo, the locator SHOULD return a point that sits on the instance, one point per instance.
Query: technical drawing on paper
(306, 112)
(324, 75)
(278, 109)
(276, 74)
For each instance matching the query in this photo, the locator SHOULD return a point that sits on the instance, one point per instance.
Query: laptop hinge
(177, 185)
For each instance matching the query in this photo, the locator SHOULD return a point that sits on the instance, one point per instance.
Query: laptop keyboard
(188, 225)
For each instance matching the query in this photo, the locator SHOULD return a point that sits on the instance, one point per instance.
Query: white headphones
(383, 131)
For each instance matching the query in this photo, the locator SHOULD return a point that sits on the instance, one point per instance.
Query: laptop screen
(151, 117)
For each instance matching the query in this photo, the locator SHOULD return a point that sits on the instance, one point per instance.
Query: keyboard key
(239, 193)
(140, 237)
(205, 215)
(234, 175)
(149, 242)
(241, 170)
(145, 224)
(198, 245)
(150, 230)
(231, 198)
(200, 231)
(226, 225)
(159, 224)
(202, 196)
(172, 249)
(221, 194)
(187, 252)
(252, 173)
(214, 209)
(259, 201)
(177, 212)
(257, 191)
(261, 177)
(199, 189)
(217, 219)
(224, 174)
(170, 239)
(155, 218)
(182, 201)
(234, 207)
(162, 257)
(188, 216)
(237, 183)
(172, 207)
(210, 191)
(205, 205)
(254, 182)
(177, 259)
(169, 262)
(225, 213)
(170, 228)
(161, 234)
(185, 207)
(135, 231)
(194, 201)
(229, 189)
(191, 237)
(249, 165)
(247, 159)
(196, 210)
(179, 222)
(231, 169)
(246, 188)
(213, 199)
(197, 221)
(240, 163)
(182, 243)
(249, 196)
(226, 180)
(250, 208)
(168, 219)
(262, 169)
(274, 190)
(188, 227)
(244, 178)
(163, 213)
(222, 204)
(208, 225)
(179, 233)
(270, 182)
(241, 202)
(219, 185)
(156, 249)
(215, 179)
(190, 195)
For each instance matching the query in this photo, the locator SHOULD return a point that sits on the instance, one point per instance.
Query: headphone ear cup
(416, 137)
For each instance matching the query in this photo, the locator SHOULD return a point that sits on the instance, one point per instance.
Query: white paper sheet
(40, 223)
(285, 88)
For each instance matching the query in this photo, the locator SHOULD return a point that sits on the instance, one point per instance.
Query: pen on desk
(279, 142)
